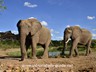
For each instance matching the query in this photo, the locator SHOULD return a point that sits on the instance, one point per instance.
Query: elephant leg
(23, 48)
(74, 45)
(71, 52)
(88, 51)
(76, 51)
(34, 50)
(89, 47)
(45, 54)
(63, 53)
(23, 54)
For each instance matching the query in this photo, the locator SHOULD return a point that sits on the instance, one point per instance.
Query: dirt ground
(75, 64)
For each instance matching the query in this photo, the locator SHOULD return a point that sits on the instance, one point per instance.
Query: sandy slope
(75, 64)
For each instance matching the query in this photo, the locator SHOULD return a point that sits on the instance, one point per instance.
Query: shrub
(9, 44)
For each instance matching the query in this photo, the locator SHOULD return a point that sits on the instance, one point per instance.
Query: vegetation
(14, 54)
(7, 44)
(54, 47)
(29, 53)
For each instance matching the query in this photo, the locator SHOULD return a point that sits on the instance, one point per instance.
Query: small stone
(8, 71)
(9, 66)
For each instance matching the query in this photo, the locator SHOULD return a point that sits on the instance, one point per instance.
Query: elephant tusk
(67, 41)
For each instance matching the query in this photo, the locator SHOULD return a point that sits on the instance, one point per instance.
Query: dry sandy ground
(75, 64)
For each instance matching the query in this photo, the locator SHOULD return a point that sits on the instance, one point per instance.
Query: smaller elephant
(77, 36)
(31, 32)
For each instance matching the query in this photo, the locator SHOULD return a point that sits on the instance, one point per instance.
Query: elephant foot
(77, 55)
(70, 57)
(86, 54)
(90, 51)
(34, 57)
(23, 58)
(44, 57)
(64, 56)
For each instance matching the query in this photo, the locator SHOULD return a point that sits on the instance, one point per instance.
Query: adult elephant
(77, 36)
(31, 32)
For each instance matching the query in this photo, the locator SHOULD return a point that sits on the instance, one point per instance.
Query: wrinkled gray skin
(78, 36)
(31, 32)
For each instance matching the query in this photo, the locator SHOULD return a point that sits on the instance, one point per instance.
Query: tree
(1, 5)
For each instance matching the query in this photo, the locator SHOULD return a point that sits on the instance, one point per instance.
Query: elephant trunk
(65, 45)
(22, 46)
(65, 42)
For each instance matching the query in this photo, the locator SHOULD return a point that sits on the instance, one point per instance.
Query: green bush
(29, 53)
(14, 54)
(93, 44)
(6, 44)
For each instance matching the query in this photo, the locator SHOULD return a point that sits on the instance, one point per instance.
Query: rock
(7, 71)
(9, 67)
(16, 69)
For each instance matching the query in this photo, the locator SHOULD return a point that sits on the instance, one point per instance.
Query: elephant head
(27, 28)
(67, 36)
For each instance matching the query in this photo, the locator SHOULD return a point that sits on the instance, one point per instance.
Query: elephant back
(87, 32)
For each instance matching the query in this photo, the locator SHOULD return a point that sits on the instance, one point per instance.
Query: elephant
(31, 32)
(77, 36)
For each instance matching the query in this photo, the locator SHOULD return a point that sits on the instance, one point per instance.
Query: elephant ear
(35, 26)
(19, 23)
(69, 29)
(76, 31)
(18, 26)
